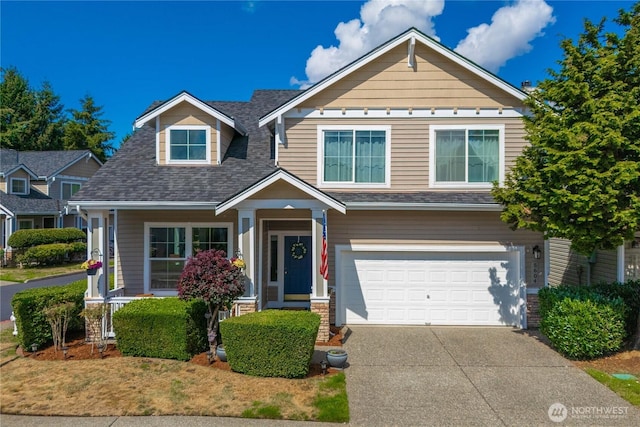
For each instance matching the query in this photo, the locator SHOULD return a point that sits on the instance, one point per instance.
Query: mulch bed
(79, 349)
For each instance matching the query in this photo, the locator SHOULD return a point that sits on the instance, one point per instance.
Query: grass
(629, 390)
(147, 386)
(8, 344)
(14, 274)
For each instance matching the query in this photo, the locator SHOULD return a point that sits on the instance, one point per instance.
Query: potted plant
(221, 353)
(337, 358)
(91, 266)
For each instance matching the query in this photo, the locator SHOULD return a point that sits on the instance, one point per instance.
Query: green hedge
(167, 328)
(52, 253)
(27, 306)
(23, 239)
(271, 343)
(585, 329)
(629, 292)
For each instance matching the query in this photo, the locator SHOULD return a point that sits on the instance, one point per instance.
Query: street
(8, 290)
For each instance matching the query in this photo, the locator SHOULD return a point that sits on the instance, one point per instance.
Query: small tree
(58, 317)
(210, 276)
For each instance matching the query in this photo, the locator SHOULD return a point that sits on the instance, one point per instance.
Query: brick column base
(533, 311)
(244, 307)
(322, 308)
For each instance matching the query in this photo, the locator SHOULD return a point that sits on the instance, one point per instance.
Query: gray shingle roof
(42, 163)
(133, 175)
(34, 203)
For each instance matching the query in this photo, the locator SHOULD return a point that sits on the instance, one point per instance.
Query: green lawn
(15, 274)
(629, 390)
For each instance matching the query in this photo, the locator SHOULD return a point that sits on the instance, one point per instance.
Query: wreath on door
(298, 250)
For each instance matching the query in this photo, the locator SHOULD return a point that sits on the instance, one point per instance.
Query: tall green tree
(86, 129)
(29, 119)
(579, 178)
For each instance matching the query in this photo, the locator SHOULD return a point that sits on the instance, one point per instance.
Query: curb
(52, 276)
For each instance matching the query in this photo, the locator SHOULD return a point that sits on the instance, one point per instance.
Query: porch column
(98, 250)
(319, 294)
(247, 247)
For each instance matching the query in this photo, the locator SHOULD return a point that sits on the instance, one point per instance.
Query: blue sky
(128, 54)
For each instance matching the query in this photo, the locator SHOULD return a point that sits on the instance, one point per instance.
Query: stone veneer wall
(244, 308)
(322, 308)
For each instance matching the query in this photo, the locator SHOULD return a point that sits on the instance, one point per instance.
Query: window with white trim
(170, 245)
(470, 156)
(19, 186)
(354, 155)
(188, 144)
(25, 224)
(69, 189)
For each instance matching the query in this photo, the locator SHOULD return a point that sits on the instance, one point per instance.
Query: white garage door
(437, 288)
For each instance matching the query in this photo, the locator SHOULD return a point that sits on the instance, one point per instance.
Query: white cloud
(512, 28)
(380, 20)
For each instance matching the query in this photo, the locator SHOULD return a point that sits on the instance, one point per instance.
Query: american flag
(324, 262)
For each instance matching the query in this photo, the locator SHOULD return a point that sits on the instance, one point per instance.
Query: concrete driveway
(418, 376)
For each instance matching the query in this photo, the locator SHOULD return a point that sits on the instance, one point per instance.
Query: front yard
(145, 386)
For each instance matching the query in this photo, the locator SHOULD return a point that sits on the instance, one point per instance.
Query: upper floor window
(189, 144)
(471, 156)
(69, 189)
(355, 156)
(19, 186)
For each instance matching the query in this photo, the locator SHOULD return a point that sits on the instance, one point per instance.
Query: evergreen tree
(86, 129)
(579, 178)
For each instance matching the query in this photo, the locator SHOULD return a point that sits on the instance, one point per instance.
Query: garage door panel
(439, 288)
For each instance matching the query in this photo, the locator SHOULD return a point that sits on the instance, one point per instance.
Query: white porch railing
(115, 304)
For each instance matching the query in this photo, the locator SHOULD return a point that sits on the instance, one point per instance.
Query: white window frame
(354, 128)
(479, 185)
(26, 186)
(71, 183)
(167, 134)
(29, 220)
(188, 226)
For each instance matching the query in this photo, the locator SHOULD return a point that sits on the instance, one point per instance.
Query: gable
(85, 168)
(435, 81)
(281, 190)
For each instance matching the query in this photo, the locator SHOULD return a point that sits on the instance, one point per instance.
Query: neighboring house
(570, 268)
(35, 187)
(398, 149)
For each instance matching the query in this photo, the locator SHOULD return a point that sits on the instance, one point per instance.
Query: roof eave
(394, 206)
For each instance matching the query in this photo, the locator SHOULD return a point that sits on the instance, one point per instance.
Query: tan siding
(565, 266)
(605, 268)
(388, 82)
(19, 174)
(42, 187)
(226, 135)
(185, 114)
(281, 190)
(131, 240)
(84, 168)
(409, 146)
(422, 228)
(3, 184)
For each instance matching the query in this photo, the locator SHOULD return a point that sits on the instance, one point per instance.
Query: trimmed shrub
(29, 305)
(629, 292)
(168, 328)
(22, 239)
(585, 329)
(271, 343)
(52, 253)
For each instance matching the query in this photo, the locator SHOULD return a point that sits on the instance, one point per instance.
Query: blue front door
(297, 267)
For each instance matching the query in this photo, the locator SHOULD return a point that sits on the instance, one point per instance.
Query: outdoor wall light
(323, 366)
(537, 253)
(635, 244)
(65, 351)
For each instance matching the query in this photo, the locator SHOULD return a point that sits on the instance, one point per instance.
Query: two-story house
(35, 187)
(393, 157)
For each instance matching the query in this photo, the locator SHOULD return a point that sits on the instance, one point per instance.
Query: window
(19, 186)
(355, 156)
(48, 222)
(25, 224)
(469, 156)
(69, 189)
(189, 144)
(170, 245)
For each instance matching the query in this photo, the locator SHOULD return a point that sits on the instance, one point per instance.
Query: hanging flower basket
(91, 271)
(91, 266)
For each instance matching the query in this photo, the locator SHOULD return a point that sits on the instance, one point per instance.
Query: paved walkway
(423, 376)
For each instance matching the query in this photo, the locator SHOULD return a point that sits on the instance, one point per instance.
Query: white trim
(153, 205)
(466, 127)
(620, 264)
(218, 143)
(158, 140)
(18, 167)
(85, 156)
(497, 248)
(281, 255)
(280, 204)
(353, 128)
(184, 97)
(372, 55)
(115, 249)
(167, 137)
(30, 220)
(279, 175)
(188, 237)
(68, 177)
(403, 113)
(26, 186)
